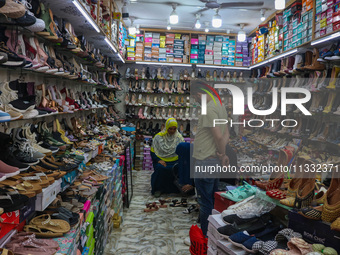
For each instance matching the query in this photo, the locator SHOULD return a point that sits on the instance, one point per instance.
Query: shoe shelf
(156, 80)
(305, 140)
(158, 106)
(81, 16)
(160, 93)
(48, 75)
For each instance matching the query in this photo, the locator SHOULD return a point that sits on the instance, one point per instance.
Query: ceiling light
(173, 15)
(198, 23)
(86, 15)
(125, 12)
(263, 18)
(280, 4)
(241, 36)
(217, 20)
(206, 27)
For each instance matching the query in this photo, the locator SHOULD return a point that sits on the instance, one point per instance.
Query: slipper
(12, 201)
(276, 194)
(43, 233)
(45, 222)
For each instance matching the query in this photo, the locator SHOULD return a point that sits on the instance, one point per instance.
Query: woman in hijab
(163, 153)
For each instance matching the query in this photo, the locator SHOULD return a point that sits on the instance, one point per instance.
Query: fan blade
(204, 1)
(203, 10)
(240, 4)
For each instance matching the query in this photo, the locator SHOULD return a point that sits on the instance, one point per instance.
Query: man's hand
(224, 159)
(162, 163)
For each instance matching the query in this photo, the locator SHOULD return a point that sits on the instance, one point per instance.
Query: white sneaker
(187, 241)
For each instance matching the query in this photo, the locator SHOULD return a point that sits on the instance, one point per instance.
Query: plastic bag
(199, 244)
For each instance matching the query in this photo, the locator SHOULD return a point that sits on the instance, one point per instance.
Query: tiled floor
(154, 233)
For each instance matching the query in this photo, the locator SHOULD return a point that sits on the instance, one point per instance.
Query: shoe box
(314, 231)
(68, 179)
(221, 203)
(28, 209)
(8, 222)
(46, 197)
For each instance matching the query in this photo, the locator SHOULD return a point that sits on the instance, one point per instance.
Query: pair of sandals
(182, 203)
(240, 193)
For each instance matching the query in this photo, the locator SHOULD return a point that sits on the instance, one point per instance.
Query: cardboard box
(221, 203)
(314, 231)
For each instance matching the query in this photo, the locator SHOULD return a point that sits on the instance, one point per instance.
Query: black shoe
(230, 219)
(13, 58)
(25, 158)
(26, 20)
(228, 230)
(21, 105)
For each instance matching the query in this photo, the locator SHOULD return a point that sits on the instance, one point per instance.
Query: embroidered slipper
(277, 194)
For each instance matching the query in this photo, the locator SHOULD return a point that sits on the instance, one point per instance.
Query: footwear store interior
(157, 127)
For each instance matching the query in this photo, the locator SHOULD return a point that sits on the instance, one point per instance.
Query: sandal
(176, 203)
(162, 202)
(151, 207)
(44, 222)
(192, 208)
(240, 193)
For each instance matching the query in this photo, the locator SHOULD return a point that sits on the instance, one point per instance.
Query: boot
(315, 64)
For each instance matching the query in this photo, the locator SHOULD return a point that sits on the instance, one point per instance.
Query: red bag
(199, 244)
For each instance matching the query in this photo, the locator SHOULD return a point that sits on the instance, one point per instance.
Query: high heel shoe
(45, 104)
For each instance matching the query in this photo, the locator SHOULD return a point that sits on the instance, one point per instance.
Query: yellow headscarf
(164, 145)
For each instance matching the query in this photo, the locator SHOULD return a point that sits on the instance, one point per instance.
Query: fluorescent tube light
(86, 15)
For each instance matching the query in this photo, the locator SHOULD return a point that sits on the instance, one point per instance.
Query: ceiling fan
(212, 4)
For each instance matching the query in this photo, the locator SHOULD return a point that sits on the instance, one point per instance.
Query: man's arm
(220, 139)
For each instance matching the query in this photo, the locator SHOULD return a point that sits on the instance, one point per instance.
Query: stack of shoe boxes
(305, 29)
(246, 53)
(169, 43)
(273, 39)
(162, 49)
(225, 50)
(178, 49)
(148, 47)
(130, 48)
(186, 55)
(241, 51)
(260, 48)
(231, 52)
(327, 17)
(155, 47)
(253, 49)
(209, 50)
(194, 50)
(147, 162)
(287, 29)
(336, 17)
(139, 154)
(139, 48)
(218, 50)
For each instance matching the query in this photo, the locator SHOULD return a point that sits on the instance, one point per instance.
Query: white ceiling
(155, 14)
